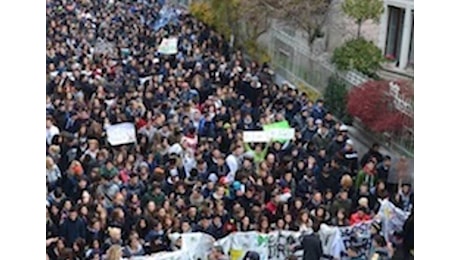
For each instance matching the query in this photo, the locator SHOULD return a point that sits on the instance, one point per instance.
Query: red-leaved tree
(372, 103)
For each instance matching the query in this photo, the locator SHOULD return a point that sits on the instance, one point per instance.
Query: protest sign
(281, 134)
(176, 255)
(357, 236)
(280, 131)
(256, 137)
(123, 133)
(392, 218)
(278, 245)
(168, 46)
(197, 245)
(266, 136)
(278, 125)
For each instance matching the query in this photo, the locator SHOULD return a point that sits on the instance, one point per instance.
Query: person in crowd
(187, 167)
(360, 215)
(380, 249)
(72, 228)
(311, 245)
(372, 154)
(383, 169)
(251, 255)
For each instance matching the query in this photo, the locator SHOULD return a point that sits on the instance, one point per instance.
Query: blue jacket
(206, 130)
(318, 113)
(71, 230)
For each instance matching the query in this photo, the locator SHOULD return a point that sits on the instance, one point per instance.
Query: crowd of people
(189, 169)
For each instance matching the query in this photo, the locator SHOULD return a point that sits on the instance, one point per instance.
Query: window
(283, 59)
(394, 31)
(411, 50)
(283, 55)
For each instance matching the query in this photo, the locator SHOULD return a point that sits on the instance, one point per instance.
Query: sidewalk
(363, 142)
(362, 145)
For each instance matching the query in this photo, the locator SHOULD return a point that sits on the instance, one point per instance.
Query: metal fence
(293, 60)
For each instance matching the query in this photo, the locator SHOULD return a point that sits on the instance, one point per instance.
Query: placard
(123, 133)
(168, 46)
(256, 137)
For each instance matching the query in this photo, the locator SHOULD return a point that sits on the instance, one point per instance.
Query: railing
(292, 58)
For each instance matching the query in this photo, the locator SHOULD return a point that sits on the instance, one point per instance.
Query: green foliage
(256, 52)
(226, 17)
(335, 99)
(203, 12)
(358, 54)
(363, 10)
(220, 15)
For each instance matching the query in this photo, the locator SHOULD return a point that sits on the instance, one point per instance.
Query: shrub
(372, 103)
(360, 55)
(335, 99)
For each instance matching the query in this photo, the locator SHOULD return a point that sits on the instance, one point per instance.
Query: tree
(335, 98)
(358, 54)
(363, 10)
(203, 11)
(245, 20)
(372, 103)
(307, 15)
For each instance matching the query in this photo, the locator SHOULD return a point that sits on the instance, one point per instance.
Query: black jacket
(408, 231)
(369, 154)
(312, 248)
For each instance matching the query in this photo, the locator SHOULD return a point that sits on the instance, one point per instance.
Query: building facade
(397, 34)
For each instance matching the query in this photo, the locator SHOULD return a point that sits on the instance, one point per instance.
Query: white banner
(256, 137)
(278, 245)
(168, 46)
(266, 135)
(194, 246)
(282, 134)
(392, 218)
(123, 133)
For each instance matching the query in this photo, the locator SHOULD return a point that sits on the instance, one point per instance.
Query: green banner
(278, 125)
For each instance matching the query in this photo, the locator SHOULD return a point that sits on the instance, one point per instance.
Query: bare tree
(307, 15)
(254, 19)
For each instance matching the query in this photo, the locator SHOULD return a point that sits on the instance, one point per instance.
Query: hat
(227, 126)
(143, 165)
(248, 155)
(173, 172)
(363, 202)
(343, 128)
(349, 142)
(213, 177)
(237, 185)
(77, 169)
(224, 180)
(318, 121)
